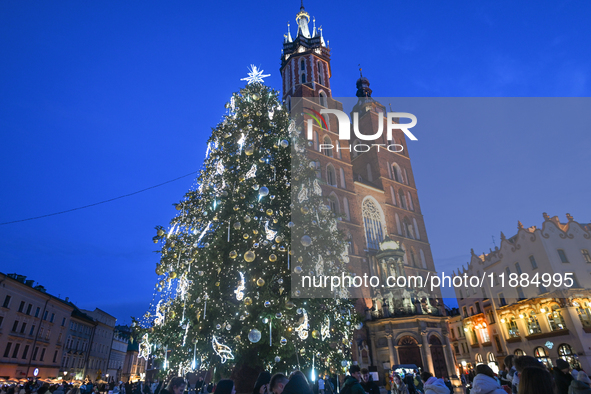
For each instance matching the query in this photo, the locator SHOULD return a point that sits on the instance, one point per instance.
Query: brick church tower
(375, 195)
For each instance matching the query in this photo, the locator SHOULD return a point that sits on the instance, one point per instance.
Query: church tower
(305, 61)
(374, 194)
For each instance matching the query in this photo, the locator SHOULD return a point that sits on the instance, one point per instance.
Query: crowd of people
(519, 375)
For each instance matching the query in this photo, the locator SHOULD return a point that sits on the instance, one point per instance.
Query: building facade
(118, 354)
(33, 329)
(374, 193)
(101, 345)
(79, 338)
(539, 316)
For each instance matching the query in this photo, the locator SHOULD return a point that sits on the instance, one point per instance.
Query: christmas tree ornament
(260, 282)
(272, 258)
(254, 335)
(306, 240)
(237, 226)
(263, 191)
(289, 305)
(233, 254)
(267, 304)
(249, 151)
(247, 301)
(218, 326)
(277, 359)
(265, 320)
(249, 256)
(297, 270)
(283, 341)
(222, 350)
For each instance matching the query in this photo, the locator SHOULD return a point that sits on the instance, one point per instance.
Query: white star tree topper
(255, 75)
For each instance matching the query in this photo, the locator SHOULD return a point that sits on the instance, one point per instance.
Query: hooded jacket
(578, 387)
(562, 380)
(484, 384)
(352, 386)
(435, 386)
(297, 385)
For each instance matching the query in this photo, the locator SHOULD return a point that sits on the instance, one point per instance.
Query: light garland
(240, 289)
(222, 350)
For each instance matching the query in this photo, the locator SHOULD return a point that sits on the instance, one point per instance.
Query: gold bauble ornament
(304, 210)
(237, 226)
(302, 351)
(178, 207)
(247, 301)
(155, 241)
(315, 334)
(233, 254)
(278, 239)
(160, 233)
(245, 236)
(255, 231)
(217, 284)
(173, 275)
(272, 258)
(236, 207)
(241, 178)
(159, 271)
(289, 305)
(172, 314)
(260, 282)
(247, 219)
(249, 256)
(249, 151)
(269, 212)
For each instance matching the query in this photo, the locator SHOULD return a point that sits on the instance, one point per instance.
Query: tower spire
(303, 18)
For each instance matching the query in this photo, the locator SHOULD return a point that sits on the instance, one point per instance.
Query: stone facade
(101, 343)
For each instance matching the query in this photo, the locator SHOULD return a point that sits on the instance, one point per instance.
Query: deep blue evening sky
(104, 98)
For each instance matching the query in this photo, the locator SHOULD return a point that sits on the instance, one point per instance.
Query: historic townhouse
(547, 319)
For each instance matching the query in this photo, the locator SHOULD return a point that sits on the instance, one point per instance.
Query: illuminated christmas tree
(224, 293)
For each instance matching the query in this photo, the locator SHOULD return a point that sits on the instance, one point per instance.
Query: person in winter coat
(296, 384)
(352, 383)
(225, 386)
(562, 376)
(484, 382)
(398, 386)
(367, 382)
(432, 385)
(581, 385)
(262, 384)
(175, 386)
(535, 380)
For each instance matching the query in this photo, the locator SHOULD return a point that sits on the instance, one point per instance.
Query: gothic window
(320, 74)
(369, 173)
(402, 199)
(333, 203)
(398, 228)
(316, 141)
(322, 99)
(343, 183)
(331, 177)
(406, 177)
(586, 255)
(373, 221)
(327, 146)
(562, 256)
(393, 195)
(407, 341)
(518, 268)
(303, 71)
(346, 208)
(412, 258)
(410, 204)
(532, 260)
(287, 77)
(396, 172)
(338, 148)
(414, 222)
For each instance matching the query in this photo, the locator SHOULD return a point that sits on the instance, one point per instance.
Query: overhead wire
(100, 202)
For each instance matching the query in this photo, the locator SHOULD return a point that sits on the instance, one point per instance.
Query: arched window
(346, 208)
(333, 203)
(316, 141)
(542, 355)
(533, 326)
(396, 172)
(555, 319)
(331, 176)
(343, 183)
(410, 204)
(565, 352)
(519, 352)
(354, 152)
(320, 74)
(369, 173)
(322, 99)
(416, 227)
(373, 220)
(423, 260)
(287, 77)
(402, 199)
(288, 103)
(407, 229)
(393, 195)
(303, 71)
(478, 358)
(406, 177)
(413, 260)
(327, 146)
(398, 227)
(338, 149)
